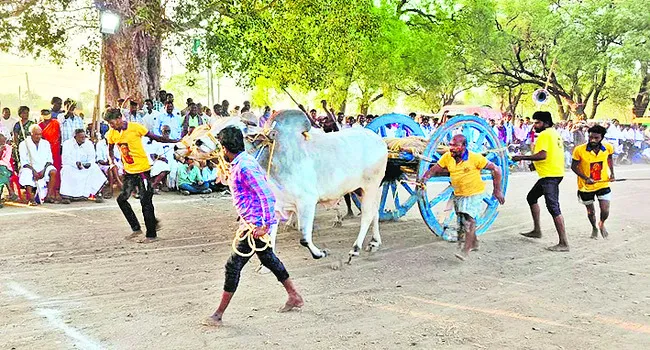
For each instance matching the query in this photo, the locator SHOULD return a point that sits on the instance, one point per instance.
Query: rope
(268, 167)
(246, 233)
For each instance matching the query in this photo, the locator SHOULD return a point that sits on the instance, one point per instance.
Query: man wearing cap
(548, 159)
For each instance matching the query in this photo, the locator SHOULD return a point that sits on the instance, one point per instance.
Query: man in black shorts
(548, 159)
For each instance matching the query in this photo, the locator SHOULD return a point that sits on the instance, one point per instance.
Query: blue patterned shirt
(251, 194)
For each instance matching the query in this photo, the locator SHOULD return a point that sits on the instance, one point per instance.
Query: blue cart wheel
(398, 124)
(435, 201)
(394, 125)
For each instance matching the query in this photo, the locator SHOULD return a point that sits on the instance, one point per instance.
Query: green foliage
(361, 52)
(185, 86)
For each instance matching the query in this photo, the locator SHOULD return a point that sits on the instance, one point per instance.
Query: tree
(444, 56)
(302, 45)
(566, 47)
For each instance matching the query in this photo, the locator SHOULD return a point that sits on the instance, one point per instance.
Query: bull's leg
(369, 210)
(305, 214)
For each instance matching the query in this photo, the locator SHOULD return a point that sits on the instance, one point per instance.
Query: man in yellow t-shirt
(465, 174)
(593, 164)
(128, 138)
(548, 159)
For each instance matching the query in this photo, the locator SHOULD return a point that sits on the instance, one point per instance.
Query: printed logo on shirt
(126, 153)
(596, 170)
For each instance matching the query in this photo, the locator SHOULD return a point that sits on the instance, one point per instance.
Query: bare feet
(294, 302)
(133, 235)
(148, 240)
(213, 321)
(558, 248)
(603, 231)
(594, 233)
(532, 234)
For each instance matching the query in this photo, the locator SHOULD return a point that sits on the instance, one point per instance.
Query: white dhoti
(158, 167)
(81, 183)
(26, 178)
(173, 170)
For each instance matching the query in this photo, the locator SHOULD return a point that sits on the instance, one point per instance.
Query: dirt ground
(68, 280)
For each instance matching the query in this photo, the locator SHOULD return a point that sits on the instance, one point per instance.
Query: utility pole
(29, 95)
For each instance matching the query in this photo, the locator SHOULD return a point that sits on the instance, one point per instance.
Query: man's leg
(591, 215)
(159, 179)
(552, 197)
(52, 193)
(348, 203)
(233, 272)
(532, 198)
(604, 214)
(125, 207)
(469, 228)
(271, 262)
(29, 195)
(188, 188)
(146, 201)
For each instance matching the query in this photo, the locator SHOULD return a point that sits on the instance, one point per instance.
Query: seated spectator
(190, 180)
(112, 173)
(37, 173)
(209, 174)
(159, 164)
(81, 177)
(6, 169)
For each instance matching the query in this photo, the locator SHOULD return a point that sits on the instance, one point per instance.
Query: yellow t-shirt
(593, 165)
(550, 141)
(129, 142)
(466, 175)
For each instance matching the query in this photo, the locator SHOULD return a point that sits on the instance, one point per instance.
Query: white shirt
(7, 126)
(209, 175)
(101, 151)
(151, 121)
(152, 148)
(36, 156)
(73, 153)
(174, 123)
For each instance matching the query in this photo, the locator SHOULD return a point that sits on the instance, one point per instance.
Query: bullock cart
(411, 153)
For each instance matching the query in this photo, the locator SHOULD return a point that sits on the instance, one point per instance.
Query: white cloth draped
(37, 156)
(77, 182)
(156, 148)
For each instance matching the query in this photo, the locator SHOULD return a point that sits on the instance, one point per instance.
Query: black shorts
(587, 198)
(549, 187)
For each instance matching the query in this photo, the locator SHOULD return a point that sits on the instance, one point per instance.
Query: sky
(69, 80)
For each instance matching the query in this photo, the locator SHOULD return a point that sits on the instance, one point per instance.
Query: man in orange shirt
(593, 164)
(465, 174)
(128, 136)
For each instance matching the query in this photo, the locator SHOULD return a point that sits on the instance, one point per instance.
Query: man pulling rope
(254, 203)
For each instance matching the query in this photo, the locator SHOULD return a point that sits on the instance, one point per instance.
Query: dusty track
(69, 280)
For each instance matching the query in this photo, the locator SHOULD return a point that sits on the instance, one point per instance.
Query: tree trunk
(513, 101)
(563, 112)
(131, 57)
(642, 99)
(365, 104)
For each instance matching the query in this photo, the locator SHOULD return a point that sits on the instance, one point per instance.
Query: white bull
(307, 169)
